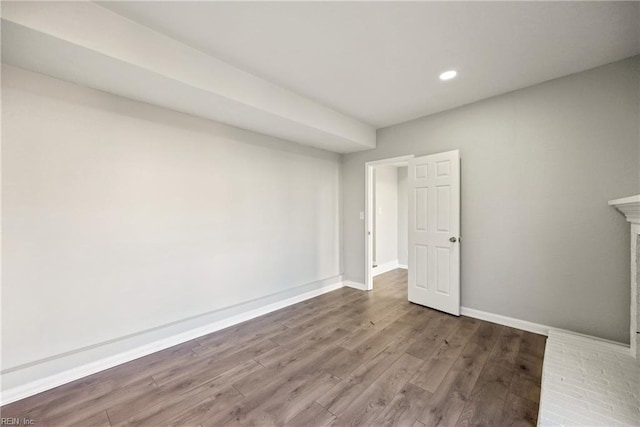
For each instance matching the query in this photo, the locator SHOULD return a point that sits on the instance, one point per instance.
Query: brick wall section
(588, 382)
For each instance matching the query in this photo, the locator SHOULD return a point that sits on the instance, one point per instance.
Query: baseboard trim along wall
(78, 371)
(72, 372)
(355, 285)
(524, 325)
(383, 268)
(536, 328)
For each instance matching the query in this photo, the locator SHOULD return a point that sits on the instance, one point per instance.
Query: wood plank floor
(344, 358)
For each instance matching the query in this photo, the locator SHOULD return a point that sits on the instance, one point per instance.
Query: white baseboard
(404, 266)
(355, 285)
(536, 328)
(51, 381)
(383, 268)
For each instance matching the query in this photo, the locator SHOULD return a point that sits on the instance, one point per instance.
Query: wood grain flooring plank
(213, 366)
(340, 396)
(433, 335)
(374, 345)
(240, 412)
(279, 409)
(337, 399)
(97, 420)
(342, 363)
(224, 347)
(529, 360)
(443, 358)
(160, 415)
(309, 364)
(372, 369)
(533, 344)
(237, 331)
(78, 411)
(285, 355)
(313, 415)
(366, 407)
(507, 348)
(179, 390)
(394, 379)
(374, 310)
(95, 389)
(405, 407)
(524, 386)
(486, 401)
(313, 304)
(373, 326)
(203, 411)
(484, 406)
(519, 412)
(446, 404)
(346, 357)
(293, 321)
(305, 329)
(363, 409)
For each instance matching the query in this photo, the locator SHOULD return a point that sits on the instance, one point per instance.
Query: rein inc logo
(15, 421)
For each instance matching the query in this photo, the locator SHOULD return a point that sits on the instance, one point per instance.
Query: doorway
(385, 216)
(433, 229)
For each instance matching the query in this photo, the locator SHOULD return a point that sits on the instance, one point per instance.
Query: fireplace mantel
(629, 206)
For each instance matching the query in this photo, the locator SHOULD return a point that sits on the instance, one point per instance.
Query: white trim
(355, 285)
(403, 266)
(383, 268)
(536, 328)
(629, 206)
(625, 200)
(49, 382)
(368, 213)
(391, 160)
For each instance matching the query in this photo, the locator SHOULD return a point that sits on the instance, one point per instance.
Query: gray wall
(539, 242)
(403, 216)
(386, 214)
(119, 217)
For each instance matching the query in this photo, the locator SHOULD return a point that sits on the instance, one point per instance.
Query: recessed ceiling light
(448, 75)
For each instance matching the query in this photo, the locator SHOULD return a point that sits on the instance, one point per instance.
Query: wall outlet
(361, 215)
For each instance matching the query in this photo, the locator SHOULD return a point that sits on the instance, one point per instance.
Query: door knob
(453, 239)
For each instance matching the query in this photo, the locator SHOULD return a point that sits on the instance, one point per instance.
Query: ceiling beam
(87, 44)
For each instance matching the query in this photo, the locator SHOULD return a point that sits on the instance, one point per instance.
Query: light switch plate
(361, 215)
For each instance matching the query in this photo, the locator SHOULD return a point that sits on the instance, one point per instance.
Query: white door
(434, 231)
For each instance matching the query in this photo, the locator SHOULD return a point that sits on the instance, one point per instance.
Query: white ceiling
(89, 45)
(379, 61)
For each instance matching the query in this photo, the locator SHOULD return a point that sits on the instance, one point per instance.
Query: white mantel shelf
(629, 206)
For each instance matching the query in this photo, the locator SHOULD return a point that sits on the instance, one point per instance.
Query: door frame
(368, 213)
